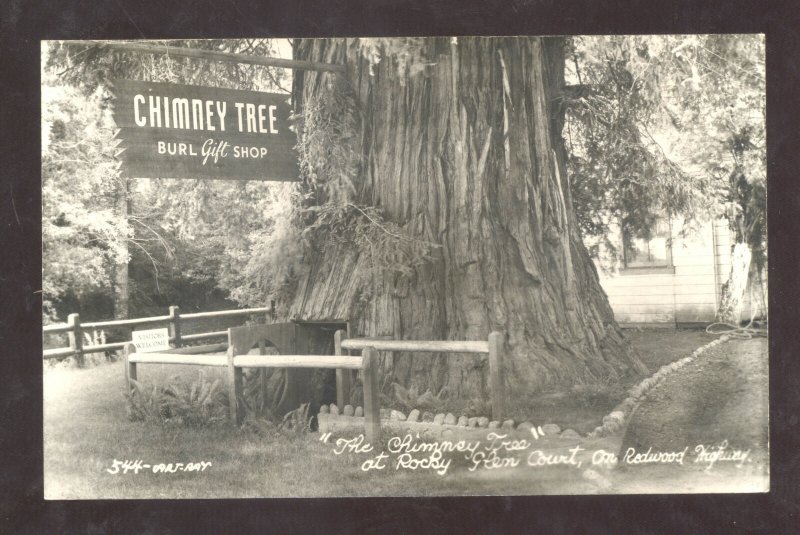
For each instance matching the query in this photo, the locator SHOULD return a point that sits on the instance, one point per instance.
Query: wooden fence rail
(493, 347)
(241, 340)
(75, 330)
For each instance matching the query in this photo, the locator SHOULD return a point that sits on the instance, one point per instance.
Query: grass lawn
(583, 407)
(86, 429)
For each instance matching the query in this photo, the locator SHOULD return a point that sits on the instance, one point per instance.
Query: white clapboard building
(674, 279)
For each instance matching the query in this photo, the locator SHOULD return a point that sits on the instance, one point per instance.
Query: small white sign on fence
(151, 340)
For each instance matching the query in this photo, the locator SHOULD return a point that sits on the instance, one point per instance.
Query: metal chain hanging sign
(181, 131)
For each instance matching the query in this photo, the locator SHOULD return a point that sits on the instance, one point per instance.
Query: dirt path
(718, 403)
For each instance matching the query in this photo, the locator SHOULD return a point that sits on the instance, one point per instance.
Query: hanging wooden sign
(182, 131)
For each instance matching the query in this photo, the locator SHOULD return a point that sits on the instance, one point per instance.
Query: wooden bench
(205, 355)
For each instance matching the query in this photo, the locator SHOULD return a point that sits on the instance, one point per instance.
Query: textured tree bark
(468, 155)
(733, 291)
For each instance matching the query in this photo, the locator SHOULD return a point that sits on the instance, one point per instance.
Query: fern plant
(478, 407)
(260, 426)
(410, 398)
(144, 404)
(297, 422)
(198, 404)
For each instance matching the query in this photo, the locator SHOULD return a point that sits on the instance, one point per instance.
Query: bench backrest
(282, 335)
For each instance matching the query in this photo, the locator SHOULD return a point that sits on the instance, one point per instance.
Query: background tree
(670, 124)
(194, 243)
(187, 237)
(83, 237)
(719, 86)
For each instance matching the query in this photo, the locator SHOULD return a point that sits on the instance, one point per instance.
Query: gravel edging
(443, 425)
(615, 421)
(439, 425)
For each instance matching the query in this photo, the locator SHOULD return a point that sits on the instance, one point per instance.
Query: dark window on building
(648, 249)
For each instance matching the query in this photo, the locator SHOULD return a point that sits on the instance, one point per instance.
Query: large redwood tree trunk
(468, 155)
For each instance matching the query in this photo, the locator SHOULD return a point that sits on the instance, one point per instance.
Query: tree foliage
(654, 123)
(83, 236)
(187, 236)
(669, 124)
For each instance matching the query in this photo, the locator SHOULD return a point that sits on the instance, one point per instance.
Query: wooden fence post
(498, 395)
(234, 387)
(175, 325)
(343, 377)
(130, 367)
(75, 335)
(372, 411)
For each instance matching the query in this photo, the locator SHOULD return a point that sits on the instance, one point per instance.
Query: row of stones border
(612, 424)
(474, 422)
(615, 421)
